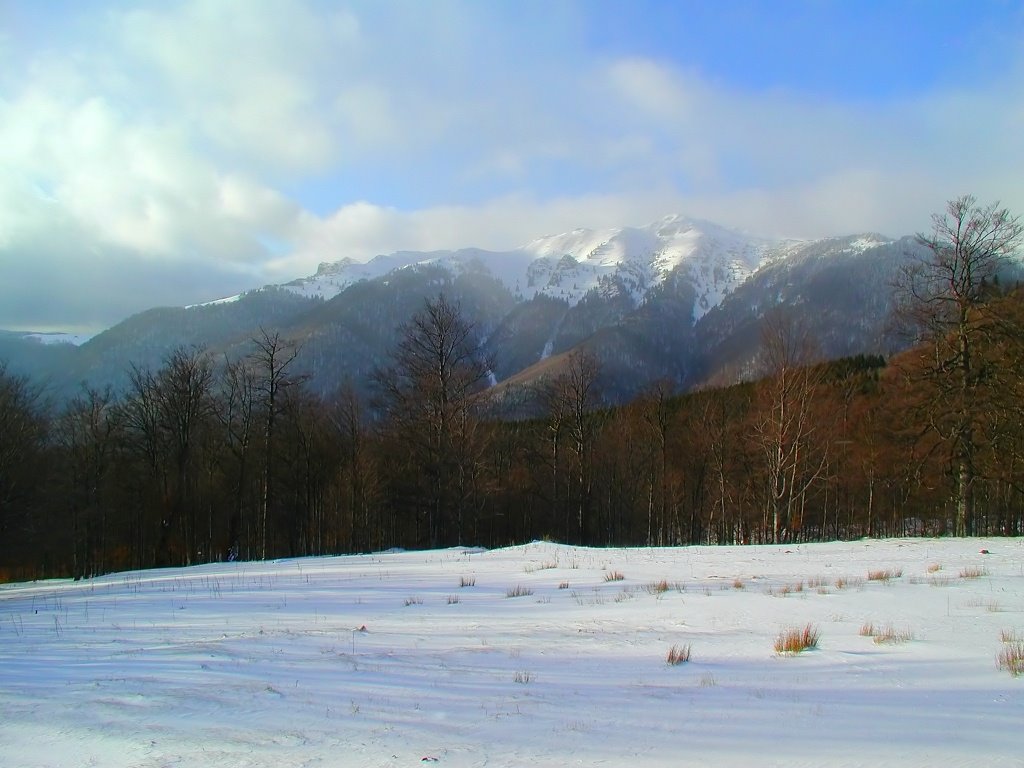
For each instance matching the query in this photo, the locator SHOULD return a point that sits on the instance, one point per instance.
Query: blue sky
(174, 152)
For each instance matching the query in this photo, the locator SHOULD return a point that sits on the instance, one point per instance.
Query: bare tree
(272, 362)
(359, 479)
(943, 297)
(784, 426)
(166, 416)
(656, 412)
(237, 416)
(87, 430)
(569, 400)
(184, 387)
(427, 394)
(144, 445)
(718, 426)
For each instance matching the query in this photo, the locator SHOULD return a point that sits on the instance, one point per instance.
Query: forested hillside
(208, 457)
(202, 462)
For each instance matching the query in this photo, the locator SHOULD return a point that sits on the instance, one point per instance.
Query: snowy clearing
(541, 654)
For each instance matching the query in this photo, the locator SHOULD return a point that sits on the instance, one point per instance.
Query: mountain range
(680, 300)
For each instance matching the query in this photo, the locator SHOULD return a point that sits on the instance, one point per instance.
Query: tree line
(205, 459)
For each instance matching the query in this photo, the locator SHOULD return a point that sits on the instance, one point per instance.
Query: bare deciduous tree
(237, 416)
(568, 400)
(427, 394)
(359, 476)
(87, 430)
(943, 297)
(784, 426)
(272, 362)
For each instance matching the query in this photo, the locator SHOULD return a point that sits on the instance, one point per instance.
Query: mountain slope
(569, 266)
(678, 300)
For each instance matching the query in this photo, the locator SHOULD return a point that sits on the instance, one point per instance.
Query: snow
(216, 302)
(332, 278)
(385, 660)
(864, 242)
(567, 266)
(75, 339)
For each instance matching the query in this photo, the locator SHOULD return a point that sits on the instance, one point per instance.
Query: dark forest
(205, 459)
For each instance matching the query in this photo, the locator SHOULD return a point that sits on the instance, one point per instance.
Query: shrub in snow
(678, 654)
(792, 641)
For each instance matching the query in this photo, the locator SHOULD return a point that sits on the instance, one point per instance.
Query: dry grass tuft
(467, 581)
(518, 591)
(453, 599)
(1011, 658)
(886, 575)
(737, 583)
(844, 582)
(934, 568)
(786, 589)
(991, 606)
(678, 654)
(890, 635)
(817, 582)
(547, 565)
(614, 576)
(972, 572)
(1010, 636)
(413, 600)
(563, 585)
(663, 586)
(886, 634)
(795, 640)
(522, 677)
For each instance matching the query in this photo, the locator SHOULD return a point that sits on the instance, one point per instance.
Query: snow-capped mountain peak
(568, 266)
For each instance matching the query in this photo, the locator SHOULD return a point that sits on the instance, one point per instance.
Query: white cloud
(182, 137)
(368, 115)
(125, 184)
(363, 230)
(656, 91)
(251, 77)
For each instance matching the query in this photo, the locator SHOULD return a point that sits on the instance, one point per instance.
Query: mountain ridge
(642, 256)
(660, 302)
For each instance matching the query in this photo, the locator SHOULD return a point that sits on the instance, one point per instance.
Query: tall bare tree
(943, 297)
(427, 394)
(656, 413)
(184, 387)
(784, 425)
(569, 400)
(272, 361)
(359, 479)
(237, 416)
(87, 431)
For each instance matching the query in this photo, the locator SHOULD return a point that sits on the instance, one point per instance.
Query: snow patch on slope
(215, 302)
(568, 266)
(75, 339)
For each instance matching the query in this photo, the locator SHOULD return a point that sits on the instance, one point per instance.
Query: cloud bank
(175, 153)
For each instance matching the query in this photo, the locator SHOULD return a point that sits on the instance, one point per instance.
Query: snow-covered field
(409, 658)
